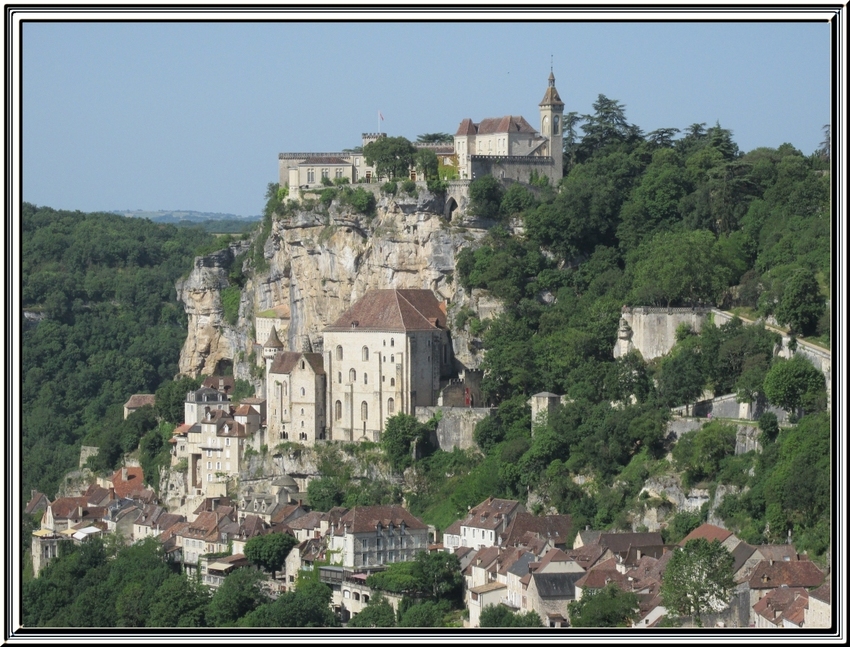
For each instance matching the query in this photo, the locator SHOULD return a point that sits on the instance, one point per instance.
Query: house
(509, 147)
(153, 520)
(199, 403)
(819, 612)
(137, 401)
(45, 546)
(549, 594)
(215, 569)
(710, 533)
(296, 397)
(216, 452)
(370, 536)
(769, 575)
(554, 528)
(304, 557)
(37, 504)
(480, 597)
(221, 383)
(385, 355)
(484, 524)
(210, 532)
(781, 608)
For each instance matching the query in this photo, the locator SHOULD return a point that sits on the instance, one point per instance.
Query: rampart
(456, 427)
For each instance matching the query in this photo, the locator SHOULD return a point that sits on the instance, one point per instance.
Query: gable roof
(782, 602)
(392, 311)
(367, 518)
(556, 585)
(709, 532)
(822, 593)
(37, 501)
(620, 542)
(495, 125)
(139, 400)
(767, 575)
(555, 528)
(222, 383)
(588, 555)
(286, 361)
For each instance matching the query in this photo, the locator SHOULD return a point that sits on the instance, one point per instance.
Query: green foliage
(180, 602)
(171, 397)
(680, 526)
(240, 593)
(431, 576)
(378, 613)
(409, 187)
(390, 188)
(698, 579)
(113, 328)
(155, 453)
(230, 297)
(801, 304)
(391, 156)
(327, 196)
(434, 138)
(360, 199)
(424, 614)
(795, 384)
(426, 163)
(700, 453)
(501, 616)
(307, 606)
(607, 607)
(269, 551)
(402, 433)
(516, 199)
(485, 197)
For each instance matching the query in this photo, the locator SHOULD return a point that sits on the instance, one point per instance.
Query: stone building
(296, 397)
(385, 355)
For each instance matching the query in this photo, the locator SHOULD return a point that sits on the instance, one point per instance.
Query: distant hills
(215, 223)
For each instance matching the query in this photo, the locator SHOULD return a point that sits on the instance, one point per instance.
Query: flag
(380, 115)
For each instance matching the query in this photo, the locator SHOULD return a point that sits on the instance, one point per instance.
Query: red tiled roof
(770, 576)
(822, 593)
(466, 128)
(708, 532)
(393, 311)
(555, 528)
(67, 507)
(133, 484)
(215, 381)
(366, 518)
(778, 602)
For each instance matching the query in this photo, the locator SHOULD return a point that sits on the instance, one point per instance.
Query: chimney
(80, 510)
(221, 384)
(123, 473)
(112, 494)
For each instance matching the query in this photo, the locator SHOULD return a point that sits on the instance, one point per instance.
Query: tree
(427, 164)
(681, 380)
(391, 156)
(439, 576)
(485, 197)
(435, 138)
(240, 593)
(307, 606)
(424, 614)
(698, 579)
(171, 398)
(501, 616)
(801, 304)
(378, 613)
(401, 432)
(269, 551)
(179, 602)
(795, 384)
(608, 607)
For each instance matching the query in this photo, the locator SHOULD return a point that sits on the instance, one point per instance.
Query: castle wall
(654, 329)
(511, 167)
(456, 427)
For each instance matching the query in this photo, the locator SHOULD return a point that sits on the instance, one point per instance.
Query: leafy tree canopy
(391, 156)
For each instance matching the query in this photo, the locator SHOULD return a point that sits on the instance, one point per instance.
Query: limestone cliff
(322, 260)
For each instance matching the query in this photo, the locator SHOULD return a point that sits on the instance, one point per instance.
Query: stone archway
(450, 208)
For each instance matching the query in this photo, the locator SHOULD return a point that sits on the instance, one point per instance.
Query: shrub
(327, 196)
(390, 187)
(409, 187)
(363, 201)
(230, 304)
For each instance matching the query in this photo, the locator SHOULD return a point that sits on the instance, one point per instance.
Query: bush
(409, 187)
(390, 188)
(327, 196)
(363, 201)
(326, 181)
(230, 297)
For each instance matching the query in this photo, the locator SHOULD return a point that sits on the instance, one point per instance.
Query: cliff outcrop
(320, 261)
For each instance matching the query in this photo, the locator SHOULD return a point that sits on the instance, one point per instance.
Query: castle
(505, 147)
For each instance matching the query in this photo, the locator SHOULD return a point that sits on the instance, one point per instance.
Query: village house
(782, 608)
(296, 397)
(769, 575)
(137, 401)
(819, 612)
(483, 525)
(153, 520)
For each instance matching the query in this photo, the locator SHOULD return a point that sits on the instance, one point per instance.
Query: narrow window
(391, 406)
(339, 352)
(337, 410)
(365, 354)
(365, 378)
(352, 376)
(364, 410)
(303, 391)
(339, 377)
(392, 381)
(392, 342)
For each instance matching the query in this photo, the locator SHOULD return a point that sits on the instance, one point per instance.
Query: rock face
(320, 262)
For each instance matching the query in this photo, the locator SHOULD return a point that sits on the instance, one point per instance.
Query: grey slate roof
(556, 585)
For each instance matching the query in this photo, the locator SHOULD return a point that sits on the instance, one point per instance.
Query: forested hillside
(111, 327)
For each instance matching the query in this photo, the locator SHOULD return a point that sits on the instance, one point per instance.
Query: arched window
(302, 423)
(352, 375)
(302, 413)
(364, 410)
(392, 381)
(365, 378)
(302, 364)
(392, 358)
(337, 410)
(339, 377)
(365, 354)
(285, 387)
(303, 391)
(339, 352)
(390, 406)
(392, 342)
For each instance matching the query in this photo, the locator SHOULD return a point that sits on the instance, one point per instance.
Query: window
(392, 358)
(302, 424)
(339, 377)
(209, 465)
(303, 364)
(338, 173)
(392, 381)
(337, 410)
(209, 477)
(391, 406)
(352, 375)
(302, 411)
(365, 353)
(285, 387)
(339, 352)
(209, 453)
(311, 175)
(218, 466)
(324, 173)
(364, 410)
(365, 378)
(356, 161)
(227, 442)
(303, 391)
(392, 342)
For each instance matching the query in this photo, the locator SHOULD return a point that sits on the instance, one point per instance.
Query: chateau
(387, 354)
(505, 147)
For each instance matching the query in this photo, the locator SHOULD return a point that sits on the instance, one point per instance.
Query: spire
(551, 98)
(273, 340)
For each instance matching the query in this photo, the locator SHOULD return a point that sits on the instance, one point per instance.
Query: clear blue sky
(192, 115)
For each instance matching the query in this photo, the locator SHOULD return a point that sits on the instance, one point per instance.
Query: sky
(192, 115)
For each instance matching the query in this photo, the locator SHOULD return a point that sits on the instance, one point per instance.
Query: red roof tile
(708, 532)
(392, 311)
(770, 576)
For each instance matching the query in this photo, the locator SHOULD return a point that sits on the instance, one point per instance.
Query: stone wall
(652, 331)
(727, 406)
(456, 426)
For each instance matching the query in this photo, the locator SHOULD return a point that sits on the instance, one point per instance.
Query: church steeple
(551, 127)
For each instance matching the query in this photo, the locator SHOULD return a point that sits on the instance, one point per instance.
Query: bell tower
(552, 126)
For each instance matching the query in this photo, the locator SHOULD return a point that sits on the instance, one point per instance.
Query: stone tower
(552, 124)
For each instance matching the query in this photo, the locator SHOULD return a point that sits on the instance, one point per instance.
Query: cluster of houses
(507, 555)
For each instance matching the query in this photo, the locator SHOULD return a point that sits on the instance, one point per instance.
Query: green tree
(801, 304)
(500, 616)
(485, 197)
(435, 138)
(377, 613)
(424, 614)
(795, 384)
(307, 606)
(698, 579)
(240, 593)
(179, 602)
(269, 551)
(681, 379)
(392, 157)
(607, 607)
(171, 398)
(401, 433)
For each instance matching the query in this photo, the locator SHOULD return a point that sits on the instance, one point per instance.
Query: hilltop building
(506, 147)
